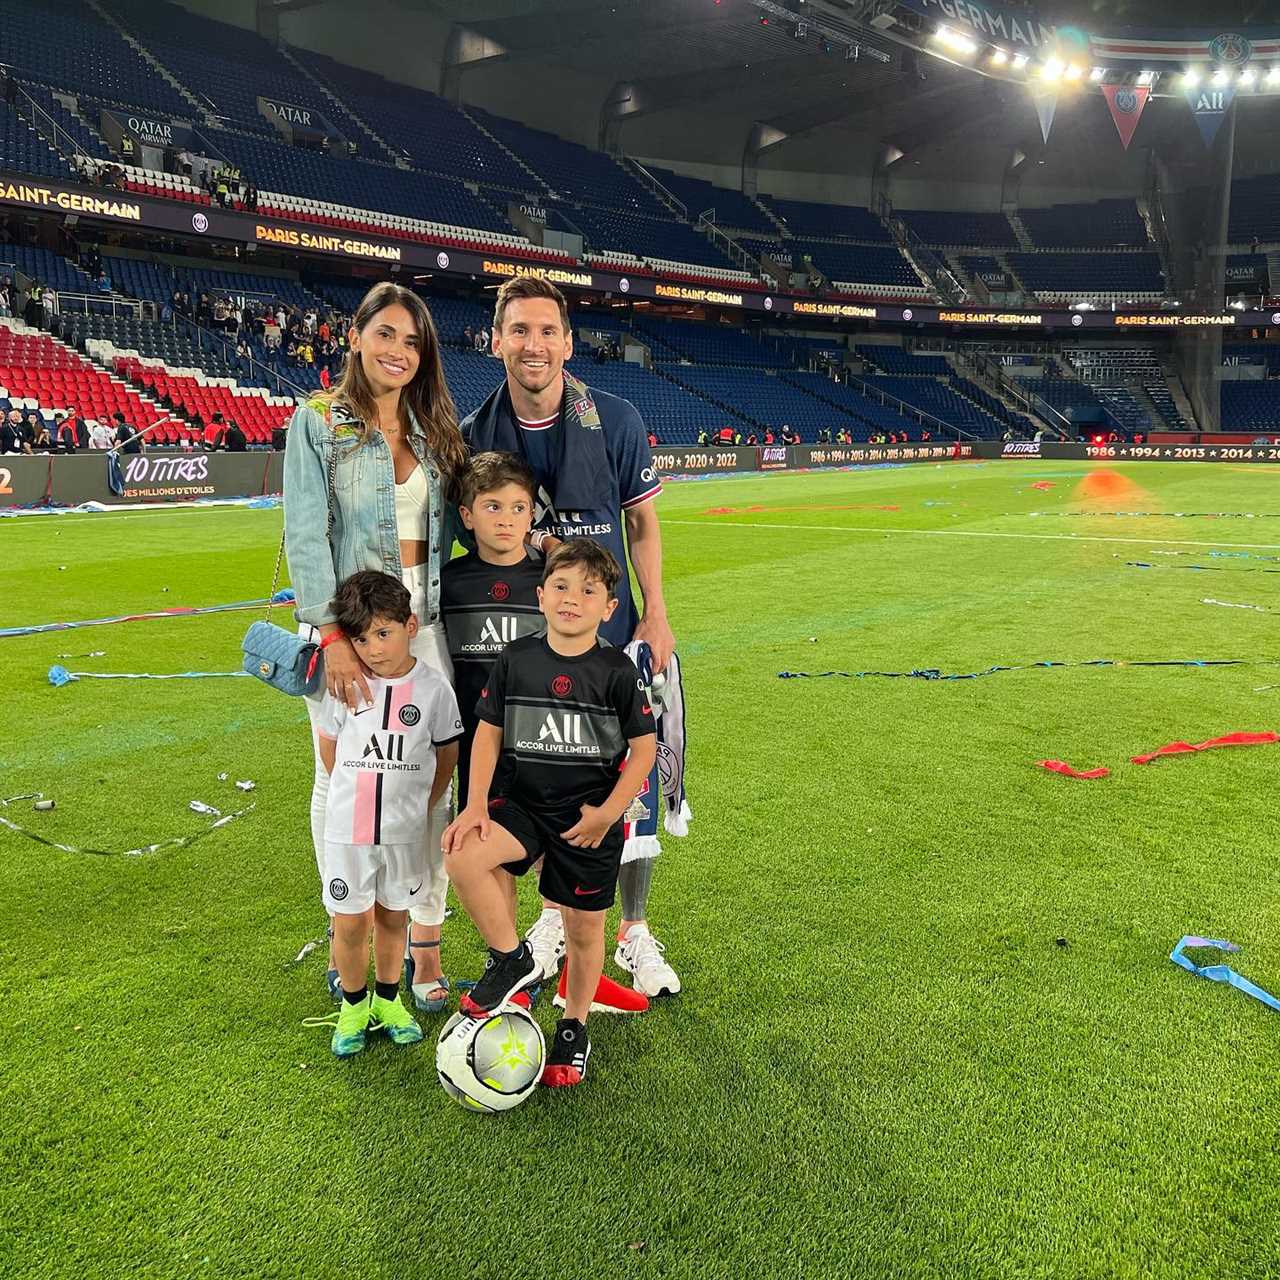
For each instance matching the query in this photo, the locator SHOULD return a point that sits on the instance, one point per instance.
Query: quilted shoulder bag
(281, 658)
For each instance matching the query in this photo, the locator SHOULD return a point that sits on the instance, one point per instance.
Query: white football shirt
(385, 763)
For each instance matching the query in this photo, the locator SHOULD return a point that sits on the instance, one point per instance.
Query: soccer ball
(493, 1063)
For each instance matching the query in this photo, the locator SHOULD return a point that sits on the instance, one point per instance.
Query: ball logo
(1231, 48)
(562, 686)
(908, 314)
(624, 285)
(442, 260)
(338, 890)
(409, 715)
(500, 591)
(1126, 102)
(199, 223)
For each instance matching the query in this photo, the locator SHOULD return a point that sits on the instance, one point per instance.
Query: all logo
(564, 729)
(391, 747)
(502, 631)
(562, 686)
(338, 890)
(500, 591)
(409, 715)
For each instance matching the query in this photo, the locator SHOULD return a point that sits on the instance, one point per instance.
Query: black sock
(386, 990)
(509, 955)
(354, 997)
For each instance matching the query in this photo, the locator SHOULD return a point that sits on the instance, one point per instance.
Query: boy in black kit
(489, 597)
(569, 719)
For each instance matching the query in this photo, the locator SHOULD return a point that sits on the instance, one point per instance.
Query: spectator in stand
(204, 310)
(824, 435)
(326, 378)
(127, 437)
(81, 427)
(38, 433)
(482, 340)
(925, 436)
(271, 335)
(324, 332)
(280, 436)
(769, 437)
(103, 282)
(726, 435)
(653, 438)
(468, 337)
(237, 442)
(789, 436)
(291, 351)
(6, 296)
(215, 434)
(64, 433)
(752, 438)
(100, 436)
(251, 199)
(704, 438)
(13, 435)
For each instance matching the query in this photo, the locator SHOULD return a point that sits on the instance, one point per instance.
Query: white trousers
(431, 649)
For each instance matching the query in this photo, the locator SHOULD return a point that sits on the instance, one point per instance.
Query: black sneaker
(567, 1060)
(501, 980)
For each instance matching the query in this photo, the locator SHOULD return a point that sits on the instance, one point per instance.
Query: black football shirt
(565, 722)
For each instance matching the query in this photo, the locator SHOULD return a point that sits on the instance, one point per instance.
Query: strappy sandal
(428, 997)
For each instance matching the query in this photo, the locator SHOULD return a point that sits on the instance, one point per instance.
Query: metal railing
(48, 128)
(66, 303)
(246, 368)
(906, 410)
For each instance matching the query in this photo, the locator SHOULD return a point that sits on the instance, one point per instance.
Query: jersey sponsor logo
(562, 686)
(338, 890)
(392, 748)
(502, 632)
(564, 729)
(500, 591)
(409, 715)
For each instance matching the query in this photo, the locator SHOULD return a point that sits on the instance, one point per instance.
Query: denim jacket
(364, 532)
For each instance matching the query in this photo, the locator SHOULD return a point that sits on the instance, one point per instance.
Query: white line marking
(967, 533)
(35, 522)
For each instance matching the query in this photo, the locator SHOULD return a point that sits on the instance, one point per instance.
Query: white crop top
(412, 498)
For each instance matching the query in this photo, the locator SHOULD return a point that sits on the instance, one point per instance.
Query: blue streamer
(933, 673)
(1220, 972)
(58, 676)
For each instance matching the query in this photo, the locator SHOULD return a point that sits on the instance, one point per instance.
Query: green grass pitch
(884, 1063)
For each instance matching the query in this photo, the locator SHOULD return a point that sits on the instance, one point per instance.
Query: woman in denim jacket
(393, 425)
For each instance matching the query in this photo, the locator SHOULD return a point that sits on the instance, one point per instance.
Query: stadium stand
(23, 149)
(759, 397)
(855, 268)
(47, 267)
(730, 208)
(1266, 353)
(1255, 209)
(940, 401)
(806, 220)
(1103, 224)
(892, 359)
(703, 344)
(1109, 277)
(869, 414)
(956, 230)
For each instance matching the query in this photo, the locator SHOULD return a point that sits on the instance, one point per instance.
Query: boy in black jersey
(569, 719)
(489, 597)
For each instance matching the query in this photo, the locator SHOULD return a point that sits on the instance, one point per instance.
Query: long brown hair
(427, 396)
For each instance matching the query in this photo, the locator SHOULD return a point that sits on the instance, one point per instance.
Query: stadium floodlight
(1273, 76)
(1248, 76)
(1097, 73)
(1052, 69)
(954, 41)
(1221, 76)
(1190, 77)
(999, 58)
(1074, 71)
(1147, 78)
(1020, 61)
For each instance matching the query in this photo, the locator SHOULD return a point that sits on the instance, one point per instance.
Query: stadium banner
(170, 476)
(989, 21)
(145, 130)
(854, 455)
(297, 124)
(773, 457)
(1209, 107)
(1205, 451)
(1230, 48)
(670, 461)
(1127, 103)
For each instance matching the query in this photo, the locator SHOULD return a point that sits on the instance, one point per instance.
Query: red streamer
(1227, 740)
(1062, 767)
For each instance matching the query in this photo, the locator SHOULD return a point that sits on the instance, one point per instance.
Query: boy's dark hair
(489, 471)
(367, 595)
(591, 557)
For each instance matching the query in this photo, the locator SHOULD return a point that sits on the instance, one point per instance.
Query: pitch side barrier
(54, 479)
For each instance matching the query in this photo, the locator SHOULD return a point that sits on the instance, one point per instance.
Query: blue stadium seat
(989, 230)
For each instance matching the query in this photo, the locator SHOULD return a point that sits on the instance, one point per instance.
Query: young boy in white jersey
(389, 763)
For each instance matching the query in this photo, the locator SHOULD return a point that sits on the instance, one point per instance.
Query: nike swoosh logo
(585, 893)
(415, 888)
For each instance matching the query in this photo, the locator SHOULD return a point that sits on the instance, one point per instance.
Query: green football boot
(353, 1023)
(393, 1018)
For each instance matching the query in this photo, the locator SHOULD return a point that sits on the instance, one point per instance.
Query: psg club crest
(500, 591)
(338, 890)
(1230, 48)
(409, 715)
(562, 686)
(1126, 102)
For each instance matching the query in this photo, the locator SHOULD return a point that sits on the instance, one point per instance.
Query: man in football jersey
(591, 459)
(570, 721)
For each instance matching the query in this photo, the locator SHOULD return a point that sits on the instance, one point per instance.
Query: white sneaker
(640, 954)
(546, 937)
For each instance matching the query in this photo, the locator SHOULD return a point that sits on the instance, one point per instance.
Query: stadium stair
(1025, 242)
(310, 73)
